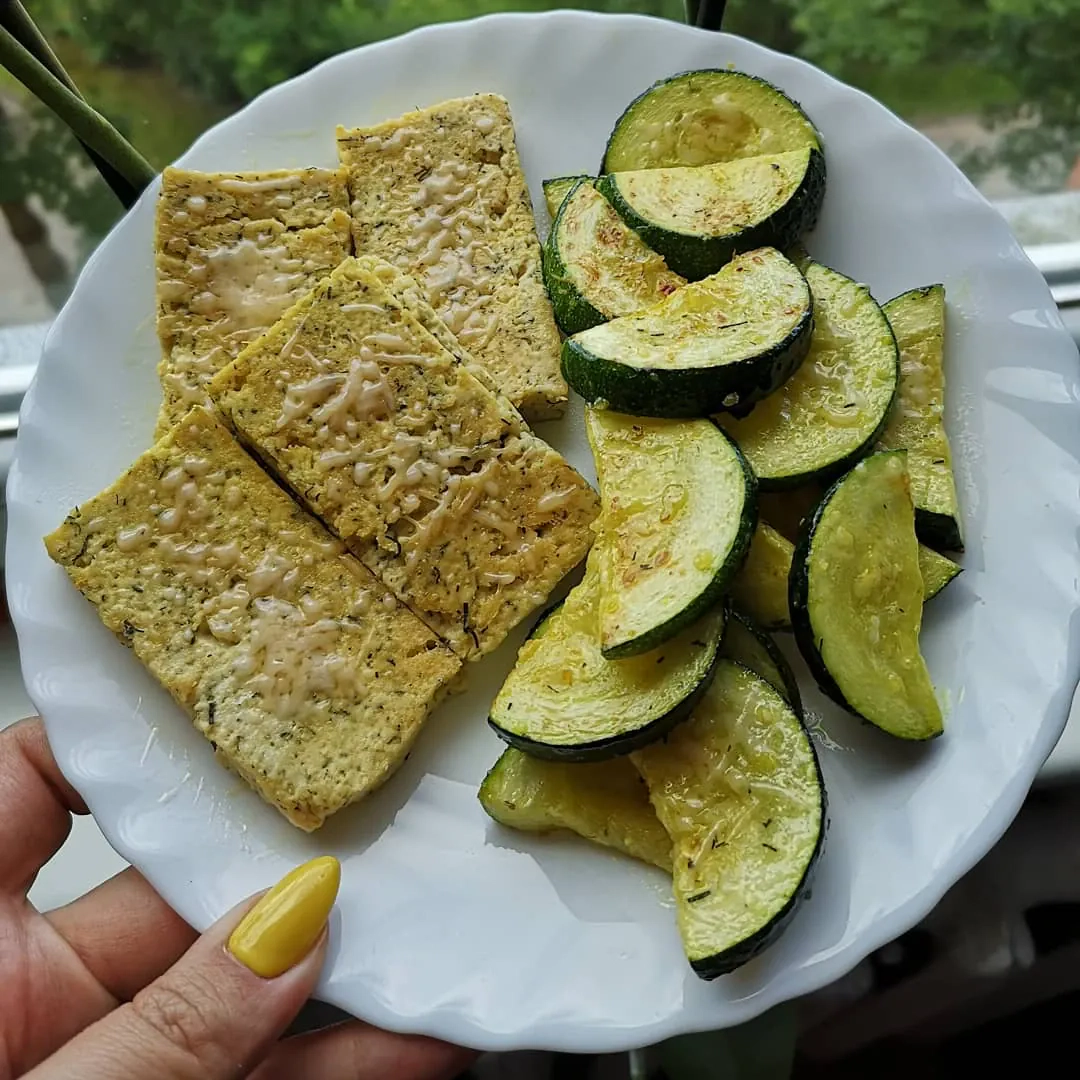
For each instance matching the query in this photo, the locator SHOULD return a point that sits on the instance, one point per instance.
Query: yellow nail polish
(280, 930)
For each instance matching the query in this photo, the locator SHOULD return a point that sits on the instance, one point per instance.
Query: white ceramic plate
(448, 924)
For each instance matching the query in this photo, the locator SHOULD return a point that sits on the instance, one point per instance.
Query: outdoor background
(994, 82)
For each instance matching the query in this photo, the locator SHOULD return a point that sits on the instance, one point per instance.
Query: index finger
(36, 804)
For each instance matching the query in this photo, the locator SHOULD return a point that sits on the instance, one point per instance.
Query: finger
(36, 804)
(124, 933)
(216, 1012)
(357, 1051)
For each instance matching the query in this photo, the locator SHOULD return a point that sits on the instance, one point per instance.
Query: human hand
(116, 986)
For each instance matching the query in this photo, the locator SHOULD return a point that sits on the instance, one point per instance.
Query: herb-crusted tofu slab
(308, 678)
(441, 194)
(234, 250)
(432, 479)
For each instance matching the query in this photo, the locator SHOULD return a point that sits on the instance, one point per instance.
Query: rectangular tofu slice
(309, 679)
(432, 479)
(234, 250)
(440, 193)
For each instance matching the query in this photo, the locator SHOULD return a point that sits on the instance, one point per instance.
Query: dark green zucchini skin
(617, 745)
(695, 257)
(572, 311)
(714, 592)
(798, 596)
(938, 531)
(684, 394)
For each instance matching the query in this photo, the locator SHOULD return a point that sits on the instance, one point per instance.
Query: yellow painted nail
(281, 929)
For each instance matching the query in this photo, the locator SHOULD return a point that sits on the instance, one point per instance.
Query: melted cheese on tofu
(310, 680)
(234, 252)
(440, 193)
(432, 479)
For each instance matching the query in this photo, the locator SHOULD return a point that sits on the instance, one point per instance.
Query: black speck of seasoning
(510, 805)
(766, 823)
(850, 405)
(660, 659)
(699, 896)
(939, 461)
(769, 846)
(901, 610)
(718, 843)
(130, 629)
(137, 588)
(776, 167)
(211, 709)
(509, 706)
(689, 864)
(732, 325)
(700, 644)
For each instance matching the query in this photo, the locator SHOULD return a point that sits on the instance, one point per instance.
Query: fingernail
(281, 929)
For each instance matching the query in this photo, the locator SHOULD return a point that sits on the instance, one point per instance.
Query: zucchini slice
(556, 189)
(857, 598)
(761, 587)
(833, 409)
(605, 801)
(747, 644)
(596, 267)
(678, 510)
(785, 510)
(916, 423)
(717, 344)
(565, 702)
(701, 117)
(698, 218)
(936, 570)
(739, 790)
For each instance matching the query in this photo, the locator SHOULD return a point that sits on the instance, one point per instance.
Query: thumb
(220, 1008)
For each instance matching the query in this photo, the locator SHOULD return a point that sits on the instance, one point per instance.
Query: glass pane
(994, 84)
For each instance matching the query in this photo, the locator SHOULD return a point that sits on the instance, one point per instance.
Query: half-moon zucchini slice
(833, 409)
(720, 343)
(699, 218)
(739, 790)
(603, 801)
(678, 511)
(556, 189)
(564, 701)
(596, 267)
(857, 597)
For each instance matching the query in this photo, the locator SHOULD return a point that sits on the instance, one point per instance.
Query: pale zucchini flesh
(760, 588)
(916, 421)
(701, 117)
(678, 509)
(606, 802)
(563, 700)
(720, 343)
(833, 408)
(739, 790)
(596, 267)
(857, 600)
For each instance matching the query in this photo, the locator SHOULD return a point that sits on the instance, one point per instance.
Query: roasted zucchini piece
(833, 409)
(700, 117)
(739, 790)
(596, 267)
(565, 702)
(760, 588)
(720, 343)
(604, 801)
(916, 422)
(699, 218)
(856, 599)
(748, 644)
(678, 509)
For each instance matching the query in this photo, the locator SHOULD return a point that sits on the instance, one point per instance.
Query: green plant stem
(89, 126)
(16, 19)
